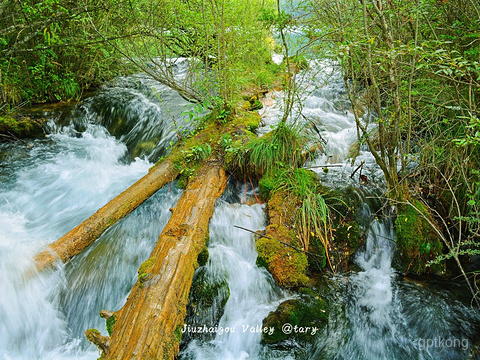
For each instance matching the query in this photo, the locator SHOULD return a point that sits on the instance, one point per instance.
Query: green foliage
(185, 174)
(52, 52)
(282, 147)
(415, 238)
(196, 153)
(312, 217)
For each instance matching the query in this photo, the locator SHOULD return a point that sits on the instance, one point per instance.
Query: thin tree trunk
(149, 325)
(88, 231)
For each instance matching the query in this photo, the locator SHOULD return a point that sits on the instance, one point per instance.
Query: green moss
(416, 240)
(91, 331)
(110, 323)
(185, 175)
(204, 294)
(269, 182)
(287, 265)
(310, 312)
(203, 256)
(248, 120)
(144, 269)
(177, 334)
(214, 140)
(252, 104)
(172, 344)
(20, 127)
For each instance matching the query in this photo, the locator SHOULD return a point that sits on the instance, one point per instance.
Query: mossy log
(149, 325)
(88, 231)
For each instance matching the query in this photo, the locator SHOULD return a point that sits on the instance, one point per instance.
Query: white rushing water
(253, 293)
(48, 187)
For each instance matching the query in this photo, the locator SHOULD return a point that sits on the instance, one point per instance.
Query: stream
(106, 143)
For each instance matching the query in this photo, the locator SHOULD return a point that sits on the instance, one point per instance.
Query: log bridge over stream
(148, 325)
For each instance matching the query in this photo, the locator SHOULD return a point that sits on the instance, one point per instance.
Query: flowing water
(252, 291)
(50, 185)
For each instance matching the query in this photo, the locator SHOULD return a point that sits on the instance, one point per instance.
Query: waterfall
(48, 187)
(375, 314)
(252, 291)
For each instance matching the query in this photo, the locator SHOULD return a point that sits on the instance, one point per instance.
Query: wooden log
(149, 325)
(88, 231)
(98, 339)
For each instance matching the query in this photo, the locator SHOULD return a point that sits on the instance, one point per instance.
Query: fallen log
(149, 325)
(88, 231)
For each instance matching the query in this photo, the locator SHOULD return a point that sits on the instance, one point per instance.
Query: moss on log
(88, 231)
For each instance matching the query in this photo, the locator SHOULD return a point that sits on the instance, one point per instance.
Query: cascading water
(142, 113)
(48, 187)
(251, 294)
(376, 314)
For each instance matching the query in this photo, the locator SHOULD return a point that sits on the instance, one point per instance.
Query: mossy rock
(416, 240)
(307, 316)
(269, 182)
(252, 104)
(206, 305)
(203, 256)
(204, 291)
(250, 120)
(287, 265)
(280, 211)
(20, 126)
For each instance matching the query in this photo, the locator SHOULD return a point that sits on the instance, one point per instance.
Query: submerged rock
(206, 304)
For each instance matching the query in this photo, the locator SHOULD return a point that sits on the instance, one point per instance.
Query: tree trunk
(88, 231)
(149, 325)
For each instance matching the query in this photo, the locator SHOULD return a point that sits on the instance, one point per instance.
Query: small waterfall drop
(252, 291)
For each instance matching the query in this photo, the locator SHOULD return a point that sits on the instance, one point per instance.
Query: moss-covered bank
(13, 127)
(416, 239)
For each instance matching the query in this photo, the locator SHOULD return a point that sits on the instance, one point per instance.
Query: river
(107, 142)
